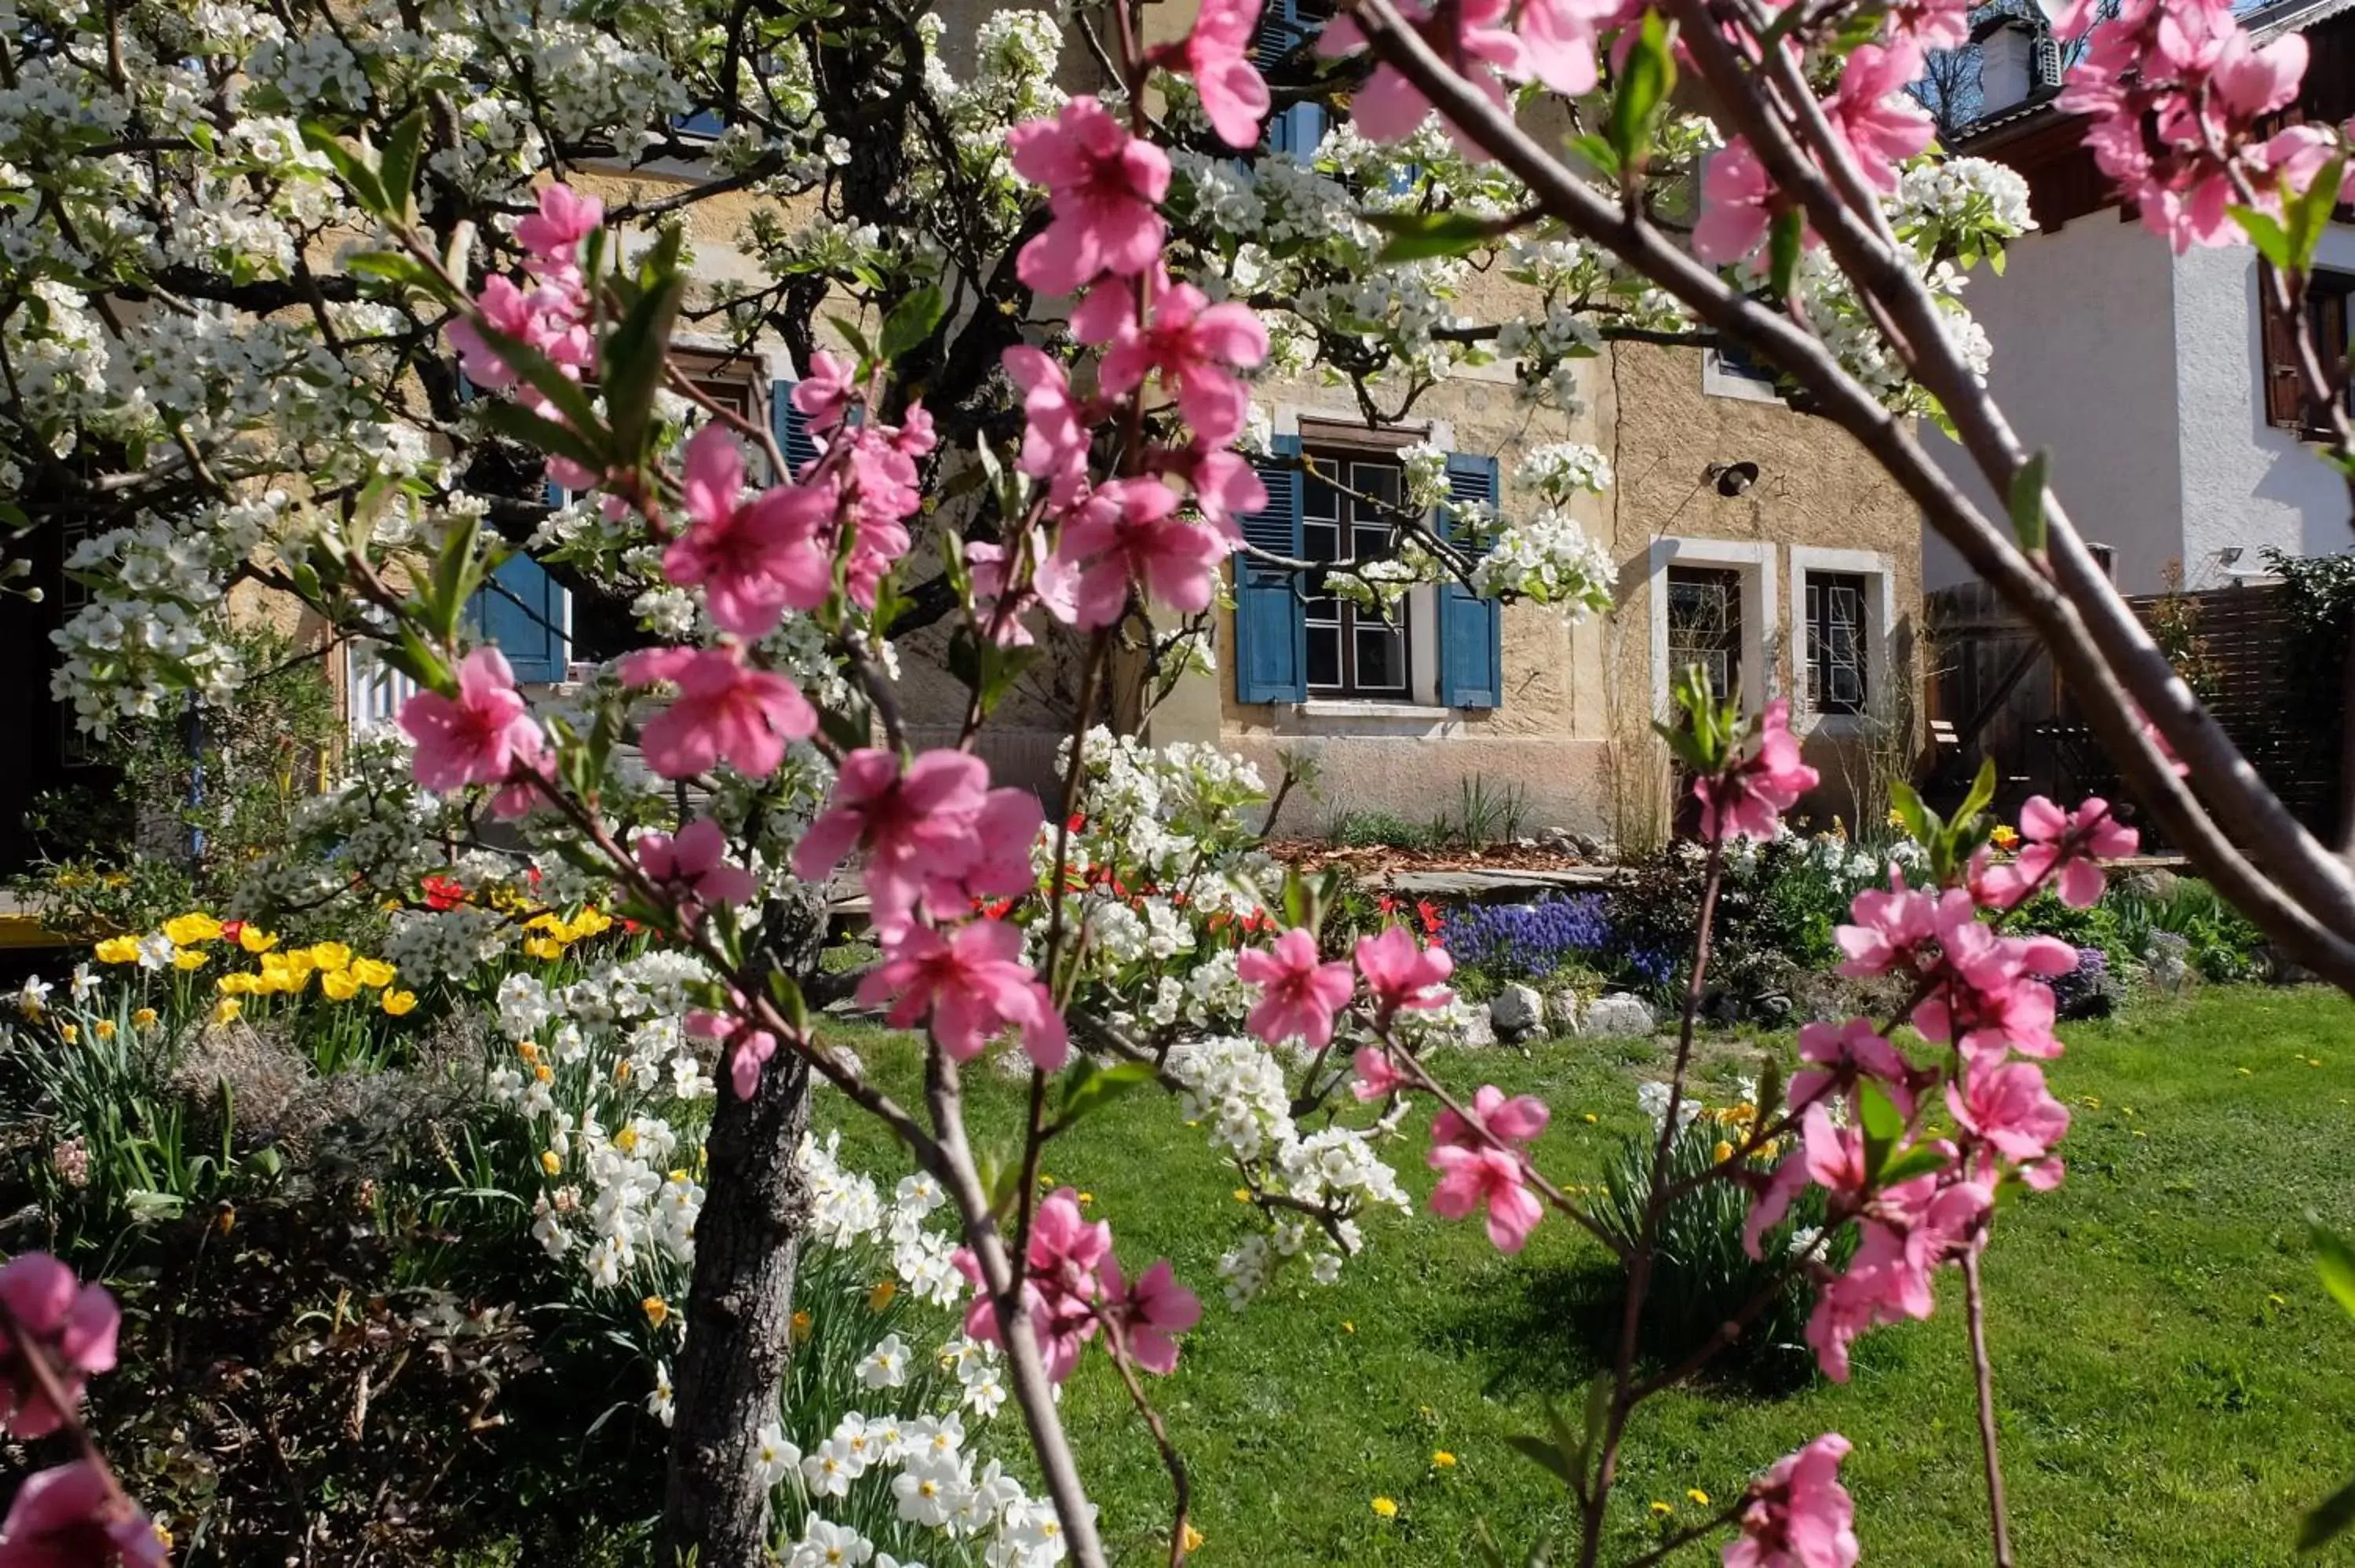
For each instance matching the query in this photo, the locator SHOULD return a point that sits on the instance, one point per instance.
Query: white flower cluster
(846, 1208)
(1549, 558)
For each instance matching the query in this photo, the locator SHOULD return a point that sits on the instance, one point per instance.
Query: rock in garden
(1564, 1014)
(1619, 1016)
(1478, 1032)
(2168, 957)
(2155, 883)
(1517, 1012)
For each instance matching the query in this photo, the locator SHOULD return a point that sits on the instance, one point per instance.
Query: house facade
(2180, 440)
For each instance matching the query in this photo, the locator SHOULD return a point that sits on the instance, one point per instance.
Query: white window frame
(1755, 561)
(1880, 570)
(1718, 379)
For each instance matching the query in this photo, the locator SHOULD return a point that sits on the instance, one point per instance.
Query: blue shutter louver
(1271, 631)
(523, 612)
(790, 427)
(1471, 628)
(1284, 28)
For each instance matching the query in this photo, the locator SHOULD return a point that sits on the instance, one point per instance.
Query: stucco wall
(2083, 326)
(2245, 485)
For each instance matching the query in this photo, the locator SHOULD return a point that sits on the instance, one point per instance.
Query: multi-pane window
(1705, 625)
(1352, 652)
(1839, 642)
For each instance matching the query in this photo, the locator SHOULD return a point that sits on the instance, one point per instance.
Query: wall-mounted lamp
(1733, 478)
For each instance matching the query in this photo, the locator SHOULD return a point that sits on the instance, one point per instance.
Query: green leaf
(398, 169)
(1485, 1545)
(848, 329)
(1419, 236)
(2307, 215)
(1982, 792)
(2264, 232)
(2329, 1519)
(1783, 249)
(912, 321)
(1645, 82)
(1090, 1088)
(1597, 149)
(1910, 809)
(1884, 1124)
(1769, 1091)
(1912, 1164)
(2028, 501)
(1540, 1451)
(354, 169)
(395, 267)
(2336, 1262)
(632, 364)
(518, 423)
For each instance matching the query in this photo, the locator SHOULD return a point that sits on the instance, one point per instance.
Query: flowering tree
(1026, 433)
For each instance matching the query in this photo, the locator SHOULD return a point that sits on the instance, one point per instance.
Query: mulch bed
(1373, 861)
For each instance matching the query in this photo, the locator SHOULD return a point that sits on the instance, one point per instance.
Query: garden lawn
(2175, 1387)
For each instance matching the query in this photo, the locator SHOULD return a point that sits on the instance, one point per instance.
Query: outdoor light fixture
(1733, 478)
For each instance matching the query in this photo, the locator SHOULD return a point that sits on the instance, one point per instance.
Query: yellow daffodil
(1722, 1152)
(544, 947)
(331, 955)
(103, 1029)
(1385, 1508)
(225, 1009)
(1441, 1458)
(195, 926)
(550, 1161)
(657, 1310)
(189, 958)
(374, 973)
(1193, 1539)
(2003, 838)
(68, 1033)
(882, 1296)
(145, 1018)
(254, 939)
(341, 985)
(118, 951)
(398, 1002)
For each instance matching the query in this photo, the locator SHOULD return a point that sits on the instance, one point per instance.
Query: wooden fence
(2272, 684)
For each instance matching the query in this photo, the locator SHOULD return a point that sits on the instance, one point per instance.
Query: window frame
(1880, 574)
(1348, 621)
(1755, 561)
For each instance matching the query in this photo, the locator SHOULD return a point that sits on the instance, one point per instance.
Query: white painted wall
(2083, 326)
(2245, 484)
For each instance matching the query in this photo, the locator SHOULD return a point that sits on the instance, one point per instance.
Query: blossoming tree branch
(1029, 419)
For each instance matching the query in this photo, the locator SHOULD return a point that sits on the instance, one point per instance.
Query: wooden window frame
(1348, 621)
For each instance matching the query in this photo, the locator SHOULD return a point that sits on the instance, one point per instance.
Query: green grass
(2175, 1387)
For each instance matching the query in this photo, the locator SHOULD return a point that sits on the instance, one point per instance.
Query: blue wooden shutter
(1471, 628)
(526, 614)
(1271, 633)
(790, 427)
(1284, 28)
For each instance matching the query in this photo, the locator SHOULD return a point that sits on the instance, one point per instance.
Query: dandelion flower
(1661, 1510)
(1697, 1496)
(1442, 1459)
(1385, 1508)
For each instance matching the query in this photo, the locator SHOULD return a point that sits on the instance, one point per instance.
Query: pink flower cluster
(1748, 800)
(1103, 246)
(936, 842)
(1218, 55)
(2177, 91)
(2061, 848)
(694, 867)
(73, 1514)
(1072, 1286)
(484, 735)
(726, 710)
(1481, 1161)
(1493, 43)
(551, 313)
(1798, 1515)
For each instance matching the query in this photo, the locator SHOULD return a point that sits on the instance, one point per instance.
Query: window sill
(1358, 707)
(1832, 724)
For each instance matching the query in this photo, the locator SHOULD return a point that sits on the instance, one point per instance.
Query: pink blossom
(697, 861)
(1400, 974)
(2073, 840)
(1219, 57)
(1771, 1201)
(746, 1047)
(1390, 108)
(1149, 1313)
(1377, 1078)
(2009, 1107)
(1889, 927)
(1558, 39)
(505, 309)
(72, 1323)
(826, 391)
(1063, 1281)
(1194, 347)
(1470, 1178)
(1512, 1122)
(1130, 529)
(1844, 1053)
(920, 825)
(754, 558)
(972, 985)
(1873, 114)
(725, 711)
(1298, 995)
(1103, 186)
(1052, 586)
(482, 735)
(69, 1516)
(565, 219)
(879, 486)
(1748, 800)
(1798, 1515)
(1910, 1229)
(1227, 489)
(1054, 432)
(1829, 1155)
(1737, 205)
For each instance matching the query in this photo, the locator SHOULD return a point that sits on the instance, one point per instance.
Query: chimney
(2007, 66)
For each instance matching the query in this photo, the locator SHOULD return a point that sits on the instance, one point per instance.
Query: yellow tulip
(331, 955)
(118, 951)
(195, 926)
(373, 973)
(189, 958)
(225, 1009)
(240, 984)
(551, 923)
(254, 939)
(398, 1002)
(341, 985)
(546, 947)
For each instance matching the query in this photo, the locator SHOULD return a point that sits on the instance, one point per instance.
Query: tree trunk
(740, 1307)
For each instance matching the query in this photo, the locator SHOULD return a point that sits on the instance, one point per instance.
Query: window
(1352, 652)
(1705, 625)
(2286, 404)
(1839, 642)
(1729, 370)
